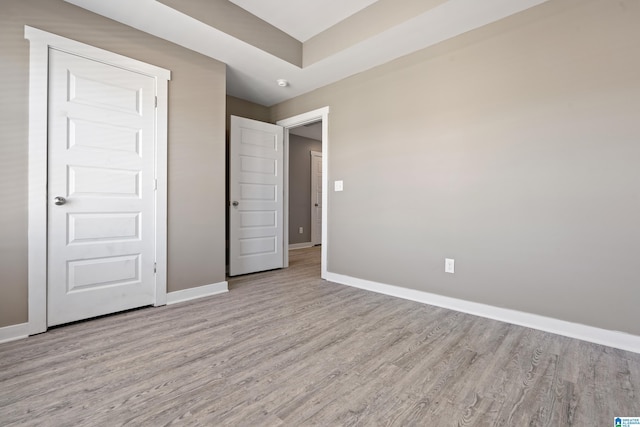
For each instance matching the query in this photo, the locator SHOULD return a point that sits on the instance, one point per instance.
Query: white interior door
(101, 189)
(316, 197)
(256, 161)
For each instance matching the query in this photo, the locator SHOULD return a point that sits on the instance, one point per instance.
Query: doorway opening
(305, 186)
(320, 116)
(259, 169)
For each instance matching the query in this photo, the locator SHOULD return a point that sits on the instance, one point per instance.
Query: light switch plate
(449, 265)
(338, 185)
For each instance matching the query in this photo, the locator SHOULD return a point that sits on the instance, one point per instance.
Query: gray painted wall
(196, 144)
(250, 110)
(514, 149)
(300, 186)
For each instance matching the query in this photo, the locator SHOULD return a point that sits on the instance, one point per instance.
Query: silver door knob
(59, 201)
(235, 203)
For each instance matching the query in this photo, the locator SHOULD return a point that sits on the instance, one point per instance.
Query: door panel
(102, 227)
(316, 198)
(101, 242)
(256, 192)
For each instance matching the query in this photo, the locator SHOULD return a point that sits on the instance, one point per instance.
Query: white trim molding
(615, 339)
(304, 245)
(295, 121)
(40, 42)
(198, 292)
(14, 332)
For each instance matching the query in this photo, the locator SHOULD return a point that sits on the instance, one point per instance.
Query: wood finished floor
(285, 348)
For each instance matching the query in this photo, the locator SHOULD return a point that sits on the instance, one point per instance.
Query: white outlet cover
(338, 186)
(449, 265)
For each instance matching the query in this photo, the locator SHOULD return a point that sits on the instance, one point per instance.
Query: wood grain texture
(284, 348)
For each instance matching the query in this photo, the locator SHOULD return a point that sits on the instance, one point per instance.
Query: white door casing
(256, 192)
(81, 223)
(316, 198)
(101, 166)
(321, 114)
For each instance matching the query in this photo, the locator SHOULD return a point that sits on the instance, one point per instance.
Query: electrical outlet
(338, 186)
(300, 230)
(449, 265)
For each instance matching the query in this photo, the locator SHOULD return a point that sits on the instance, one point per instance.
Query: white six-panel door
(256, 196)
(316, 198)
(101, 184)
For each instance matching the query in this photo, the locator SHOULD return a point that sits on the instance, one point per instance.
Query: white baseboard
(294, 246)
(621, 340)
(20, 331)
(199, 292)
(14, 332)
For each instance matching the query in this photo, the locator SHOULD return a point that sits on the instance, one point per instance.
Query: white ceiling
(252, 73)
(303, 19)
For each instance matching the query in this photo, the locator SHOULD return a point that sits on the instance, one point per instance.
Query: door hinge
(155, 184)
(156, 102)
(155, 267)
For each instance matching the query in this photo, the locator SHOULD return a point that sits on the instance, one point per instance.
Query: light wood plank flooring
(285, 348)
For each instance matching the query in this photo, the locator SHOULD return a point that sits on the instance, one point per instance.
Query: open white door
(256, 192)
(316, 198)
(101, 204)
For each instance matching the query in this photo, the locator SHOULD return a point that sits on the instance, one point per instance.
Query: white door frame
(40, 42)
(295, 121)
